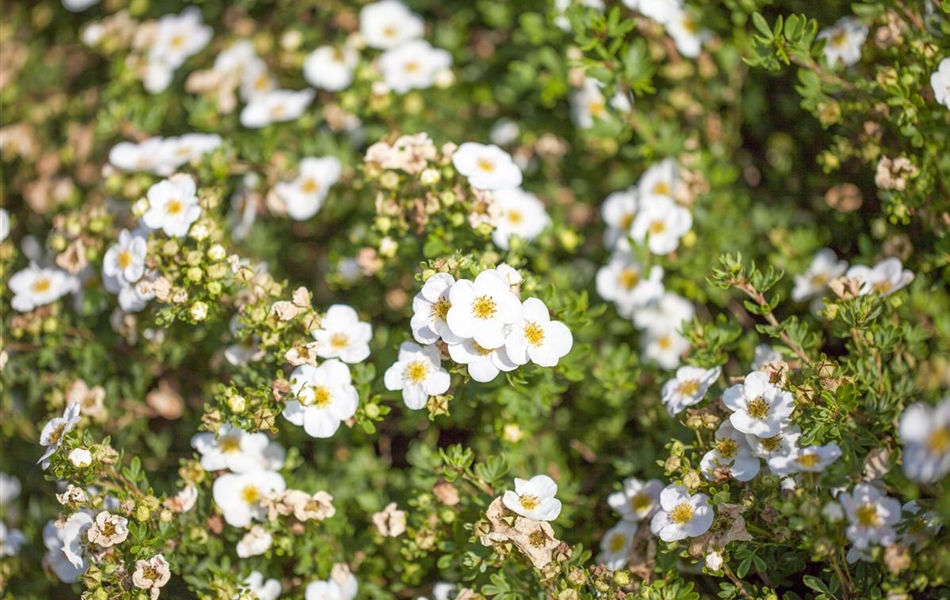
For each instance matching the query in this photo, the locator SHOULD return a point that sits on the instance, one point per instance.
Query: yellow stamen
(682, 514)
(757, 408)
(534, 333)
(416, 371)
(484, 307)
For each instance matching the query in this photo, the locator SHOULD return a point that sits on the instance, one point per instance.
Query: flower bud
(80, 458)
(199, 311)
(217, 252)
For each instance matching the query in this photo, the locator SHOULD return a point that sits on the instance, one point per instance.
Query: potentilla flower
(623, 281)
(247, 349)
(483, 364)
(824, 267)
(388, 24)
(324, 398)
(10, 540)
(665, 348)
(760, 408)
(275, 106)
(482, 309)
(418, 373)
(126, 258)
(9, 488)
(487, 167)
(151, 574)
(686, 34)
(232, 448)
(925, 434)
(429, 308)
(304, 196)
(871, 516)
(661, 11)
(535, 337)
(811, 459)
(4, 224)
(919, 526)
(108, 530)
(731, 455)
(638, 501)
(413, 65)
(239, 495)
(681, 515)
(63, 541)
(257, 80)
(189, 147)
(255, 542)
(885, 278)
(940, 82)
(330, 68)
(589, 104)
(713, 561)
(660, 223)
(844, 41)
(55, 431)
(784, 443)
(178, 37)
(172, 205)
(35, 286)
(79, 5)
(342, 335)
(341, 585)
(534, 498)
(390, 522)
(688, 387)
(616, 543)
(763, 355)
(263, 590)
(522, 214)
(618, 211)
(659, 181)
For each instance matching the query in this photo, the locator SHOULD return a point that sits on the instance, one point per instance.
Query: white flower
(126, 258)
(483, 364)
(665, 348)
(534, 498)
(34, 287)
(686, 34)
(304, 195)
(256, 81)
(681, 515)
(522, 214)
(275, 106)
(189, 147)
(487, 167)
(688, 387)
(63, 541)
(239, 495)
(871, 516)
(413, 65)
(659, 181)
(622, 282)
(885, 278)
(418, 373)
(763, 355)
(55, 430)
(79, 5)
(429, 308)
(324, 398)
(330, 68)
(255, 542)
(264, 590)
(784, 443)
(618, 212)
(172, 205)
(638, 501)
(232, 448)
(178, 37)
(342, 335)
(661, 11)
(162, 156)
(151, 574)
(732, 452)
(615, 545)
(342, 585)
(535, 337)
(9, 488)
(832, 512)
(482, 309)
(10, 540)
(759, 407)
(80, 457)
(660, 223)
(246, 349)
(824, 267)
(4, 224)
(811, 459)
(588, 103)
(504, 132)
(713, 561)
(925, 434)
(510, 274)
(388, 24)
(844, 41)
(940, 82)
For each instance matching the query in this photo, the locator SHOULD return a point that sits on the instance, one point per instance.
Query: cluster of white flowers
(37, 286)
(169, 43)
(588, 103)
(843, 41)
(680, 24)
(636, 503)
(484, 326)
(884, 278)
(10, 539)
(162, 156)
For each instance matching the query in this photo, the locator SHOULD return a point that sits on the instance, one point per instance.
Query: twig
(759, 299)
(736, 581)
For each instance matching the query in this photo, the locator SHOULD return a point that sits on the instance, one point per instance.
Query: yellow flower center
(727, 448)
(682, 514)
(657, 227)
(390, 31)
(757, 408)
(640, 502)
(665, 342)
(261, 83)
(250, 494)
(617, 543)
(229, 444)
(411, 67)
(337, 55)
(534, 333)
(481, 349)
(174, 207)
(514, 216)
(808, 460)
(629, 278)
(662, 188)
(772, 444)
(839, 39)
(321, 396)
(124, 259)
(178, 41)
(43, 284)
(626, 221)
(529, 502)
(441, 308)
(882, 287)
(689, 387)
(309, 185)
(278, 112)
(690, 25)
(486, 165)
(867, 515)
(938, 442)
(819, 280)
(416, 371)
(484, 307)
(596, 108)
(338, 341)
(56, 434)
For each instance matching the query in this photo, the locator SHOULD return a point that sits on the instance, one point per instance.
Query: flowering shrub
(550, 299)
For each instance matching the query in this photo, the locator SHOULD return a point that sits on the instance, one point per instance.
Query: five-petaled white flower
(342, 335)
(324, 397)
(681, 515)
(330, 68)
(638, 501)
(172, 205)
(275, 106)
(522, 214)
(871, 516)
(660, 223)
(487, 167)
(232, 448)
(925, 434)
(413, 65)
(844, 40)
(535, 337)
(262, 589)
(618, 212)
(55, 430)
(616, 543)
(34, 286)
(885, 278)
(388, 23)
(732, 455)
(824, 267)
(659, 181)
(534, 498)
(688, 387)
(304, 196)
(811, 459)
(623, 281)
(940, 82)
(418, 373)
(482, 309)
(239, 495)
(759, 407)
(686, 34)
(429, 308)
(484, 364)
(126, 258)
